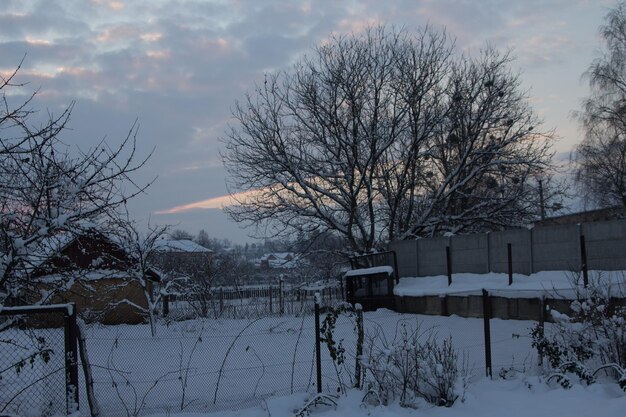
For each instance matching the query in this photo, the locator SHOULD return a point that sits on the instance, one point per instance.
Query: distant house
(279, 260)
(181, 258)
(603, 214)
(91, 270)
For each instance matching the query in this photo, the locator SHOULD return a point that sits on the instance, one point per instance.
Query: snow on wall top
(556, 284)
(369, 271)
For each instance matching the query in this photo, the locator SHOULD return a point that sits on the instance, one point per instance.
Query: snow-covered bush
(590, 338)
(412, 368)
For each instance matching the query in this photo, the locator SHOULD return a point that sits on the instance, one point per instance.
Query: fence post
(449, 265)
(486, 324)
(221, 301)
(71, 359)
(318, 353)
(166, 305)
(280, 296)
(359, 344)
(542, 321)
(583, 261)
(271, 308)
(510, 262)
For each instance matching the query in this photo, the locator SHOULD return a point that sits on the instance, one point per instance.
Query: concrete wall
(606, 244)
(539, 249)
(470, 253)
(556, 248)
(472, 306)
(520, 251)
(431, 256)
(406, 254)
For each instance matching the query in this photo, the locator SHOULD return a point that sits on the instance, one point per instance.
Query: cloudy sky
(178, 66)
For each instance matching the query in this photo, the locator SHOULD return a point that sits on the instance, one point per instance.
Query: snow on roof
(278, 255)
(369, 271)
(166, 245)
(48, 247)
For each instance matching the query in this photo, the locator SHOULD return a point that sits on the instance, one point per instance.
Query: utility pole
(541, 203)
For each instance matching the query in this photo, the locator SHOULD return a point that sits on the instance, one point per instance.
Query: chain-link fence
(208, 364)
(248, 302)
(201, 364)
(481, 347)
(38, 373)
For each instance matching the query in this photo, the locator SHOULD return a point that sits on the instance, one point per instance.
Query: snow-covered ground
(546, 283)
(266, 367)
(517, 398)
(233, 364)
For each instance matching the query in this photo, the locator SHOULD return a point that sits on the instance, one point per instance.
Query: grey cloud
(182, 84)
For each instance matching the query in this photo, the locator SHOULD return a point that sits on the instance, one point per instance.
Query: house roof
(55, 246)
(168, 245)
(278, 255)
(608, 213)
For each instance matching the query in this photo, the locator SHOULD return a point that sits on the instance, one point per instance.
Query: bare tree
(387, 135)
(601, 156)
(141, 246)
(478, 170)
(48, 189)
(179, 234)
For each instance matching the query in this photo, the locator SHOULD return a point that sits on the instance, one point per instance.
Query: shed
(371, 280)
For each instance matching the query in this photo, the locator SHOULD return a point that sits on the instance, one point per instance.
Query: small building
(91, 270)
(182, 258)
(279, 260)
(371, 280)
(603, 214)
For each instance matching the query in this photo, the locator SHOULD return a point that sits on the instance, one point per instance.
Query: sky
(178, 66)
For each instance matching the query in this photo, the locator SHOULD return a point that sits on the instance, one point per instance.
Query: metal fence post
(486, 324)
(510, 262)
(359, 344)
(166, 305)
(449, 265)
(221, 300)
(280, 296)
(71, 359)
(271, 307)
(583, 261)
(318, 353)
(542, 322)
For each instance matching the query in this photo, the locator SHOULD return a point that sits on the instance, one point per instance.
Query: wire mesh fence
(386, 332)
(251, 302)
(200, 365)
(209, 364)
(37, 361)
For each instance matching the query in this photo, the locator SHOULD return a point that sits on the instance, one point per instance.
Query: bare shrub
(414, 367)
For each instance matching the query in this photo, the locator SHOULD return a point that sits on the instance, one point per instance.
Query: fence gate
(38, 360)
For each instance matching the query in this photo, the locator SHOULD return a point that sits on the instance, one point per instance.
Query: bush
(589, 340)
(413, 368)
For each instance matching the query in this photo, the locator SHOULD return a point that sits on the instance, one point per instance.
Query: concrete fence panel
(406, 255)
(606, 245)
(520, 248)
(470, 253)
(431, 255)
(545, 248)
(556, 248)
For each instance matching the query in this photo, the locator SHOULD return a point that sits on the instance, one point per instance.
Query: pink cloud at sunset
(210, 203)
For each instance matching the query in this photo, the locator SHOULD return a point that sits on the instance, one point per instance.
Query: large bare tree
(48, 190)
(601, 156)
(387, 135)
